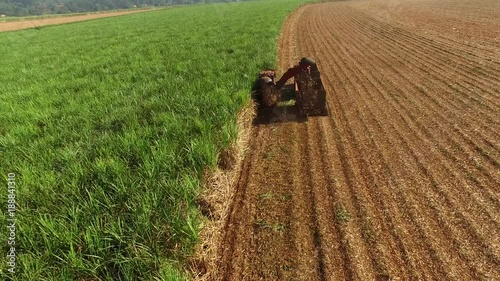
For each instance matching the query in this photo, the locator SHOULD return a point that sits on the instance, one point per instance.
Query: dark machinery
(310, 95)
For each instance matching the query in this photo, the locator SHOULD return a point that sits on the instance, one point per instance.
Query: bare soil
(32, 23)
(402, 180)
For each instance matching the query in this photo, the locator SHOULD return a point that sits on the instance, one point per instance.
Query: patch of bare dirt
(400, 182)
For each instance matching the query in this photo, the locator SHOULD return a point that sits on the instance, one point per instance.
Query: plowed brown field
(402, 180)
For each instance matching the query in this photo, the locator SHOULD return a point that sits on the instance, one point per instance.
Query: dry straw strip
(218, 193)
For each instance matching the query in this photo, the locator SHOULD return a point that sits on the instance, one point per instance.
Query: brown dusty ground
(30, 23)
(402, 180)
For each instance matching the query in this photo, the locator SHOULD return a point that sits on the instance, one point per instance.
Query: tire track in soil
(400, 181)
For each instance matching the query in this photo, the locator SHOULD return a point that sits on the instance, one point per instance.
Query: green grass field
(108, 125)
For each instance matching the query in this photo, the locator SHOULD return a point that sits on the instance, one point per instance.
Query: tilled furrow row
(357, 259)
(405, 85)
(423, 129)
(412, 108)
(310, 258)
(467, 54)
(465, 74)
(274, 249)
(406, 55)
(479, 36)
(235, 225)
(388, 148)
(388, 258)
(350, 176)
(399, 182)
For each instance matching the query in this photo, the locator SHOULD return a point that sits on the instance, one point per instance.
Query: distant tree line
(42, 7)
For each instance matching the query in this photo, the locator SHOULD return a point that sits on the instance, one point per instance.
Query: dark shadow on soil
(284, 112)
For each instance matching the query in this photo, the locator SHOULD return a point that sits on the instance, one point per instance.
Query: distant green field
(108, 124)
(48, 16)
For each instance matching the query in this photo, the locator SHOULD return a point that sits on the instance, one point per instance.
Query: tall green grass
(108, 125)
